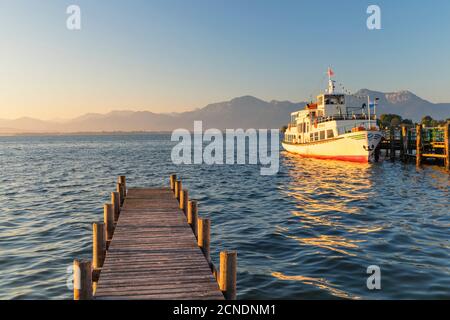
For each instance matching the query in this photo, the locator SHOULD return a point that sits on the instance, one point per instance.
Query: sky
(178, 55)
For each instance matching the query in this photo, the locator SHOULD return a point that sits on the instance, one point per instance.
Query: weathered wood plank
(154, 253)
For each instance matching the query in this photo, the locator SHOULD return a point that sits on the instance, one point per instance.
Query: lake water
(309, 232)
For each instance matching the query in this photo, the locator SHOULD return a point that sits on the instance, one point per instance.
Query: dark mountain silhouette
(242, 112)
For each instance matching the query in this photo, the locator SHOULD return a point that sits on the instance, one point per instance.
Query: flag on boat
(330, 72)
(374, 103)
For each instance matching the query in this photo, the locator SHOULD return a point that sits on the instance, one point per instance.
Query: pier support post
(173, 179)
(392, 143)
(108, 220)
(115, 200)
(178, 188)
(403, 143)
(184, 196)
(227, 274)
(418, 145)
(123, 180)
(204, 236)
(82, 280)
(192, 215)
(98, 245)
(447, 145)
(119, 189)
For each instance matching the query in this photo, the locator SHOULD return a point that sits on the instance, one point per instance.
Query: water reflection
(330, 201)
(320, 283)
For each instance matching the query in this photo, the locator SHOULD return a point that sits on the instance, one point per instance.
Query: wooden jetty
(153, 245)
(418, 144)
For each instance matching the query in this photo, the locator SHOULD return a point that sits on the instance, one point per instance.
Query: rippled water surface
(309, 232)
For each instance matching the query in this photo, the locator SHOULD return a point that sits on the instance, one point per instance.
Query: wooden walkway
(154, 253)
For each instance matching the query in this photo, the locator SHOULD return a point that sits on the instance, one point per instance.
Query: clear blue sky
(174, 55)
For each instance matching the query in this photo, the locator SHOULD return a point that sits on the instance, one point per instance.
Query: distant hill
(242, 112)
(404, 103)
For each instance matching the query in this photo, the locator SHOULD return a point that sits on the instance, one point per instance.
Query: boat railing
(346, 117)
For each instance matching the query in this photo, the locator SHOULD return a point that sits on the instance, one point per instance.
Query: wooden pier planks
(154, 253)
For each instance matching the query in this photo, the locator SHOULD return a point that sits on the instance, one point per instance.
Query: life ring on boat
(315, 123)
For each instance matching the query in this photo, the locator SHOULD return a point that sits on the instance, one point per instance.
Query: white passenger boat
(328, 129)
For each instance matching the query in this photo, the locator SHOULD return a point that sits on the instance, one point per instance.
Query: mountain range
(243, 112)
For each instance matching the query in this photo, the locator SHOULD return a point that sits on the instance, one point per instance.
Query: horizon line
(61, 120)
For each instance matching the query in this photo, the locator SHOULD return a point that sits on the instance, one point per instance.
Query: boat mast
(330, 81)
(368, 104)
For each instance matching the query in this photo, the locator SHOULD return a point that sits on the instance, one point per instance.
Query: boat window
(330, 134)
(335, 99)
(311, 137)
(316, 136)
(322, 135)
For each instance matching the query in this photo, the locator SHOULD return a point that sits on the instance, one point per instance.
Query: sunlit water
(309, 232)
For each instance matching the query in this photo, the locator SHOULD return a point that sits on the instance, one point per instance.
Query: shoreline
(87, 133)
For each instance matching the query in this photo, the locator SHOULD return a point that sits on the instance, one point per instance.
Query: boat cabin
(325, 119)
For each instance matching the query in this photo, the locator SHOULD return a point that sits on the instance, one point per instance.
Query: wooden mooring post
(404, 143)
(178, 188)
(227, 274)
(192, 216)
(184, 198)
(418, 145)
(204, 236)
(98, 245)
(447, 145)
(115, 200)
(125, 243)
(108, 220)
(173, 180)
(82, 280)
(392, 143)
(123, 181)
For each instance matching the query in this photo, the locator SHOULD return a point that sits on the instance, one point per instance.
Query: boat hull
(354, 147)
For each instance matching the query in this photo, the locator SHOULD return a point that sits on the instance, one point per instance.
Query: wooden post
(392, 142)
(418, 145)
(98, 245)
(123, 180)
(178, 188)
(447, 145)
(82, 280)
(204, 226)
(403, 143)
(192, 215)
(410, 146)
(184, 196)
(119, 189)
(227, 274)
(108, 220)
(115, 200)
(173, 179)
